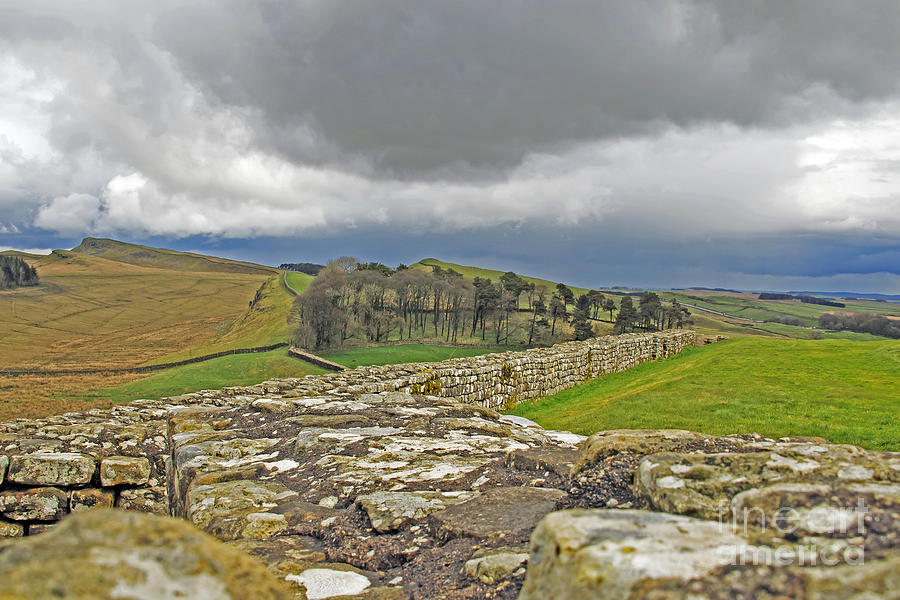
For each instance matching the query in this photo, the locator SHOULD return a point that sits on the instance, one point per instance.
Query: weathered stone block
(117, 554)
(8, 530)
(38, 504)
(4, 463)
(495, 565)
(124, 470)
(605, 554)
(496, 512)
(90, 498)
(252, 525)
(51, 468)
(36, 528)
(389, 511)
(703, 484)
(205, 502)
(148, 500)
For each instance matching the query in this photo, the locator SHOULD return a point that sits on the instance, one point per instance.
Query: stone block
(37, 504)
(496, 512)
(607, 554)
(90, 498)
(205, 502)
(124, 470)
(36, 528)
(4, 463)
(117, 554)
(389, 511)
(495, 565)
(149, 500)
(51, 468)
(10, 530)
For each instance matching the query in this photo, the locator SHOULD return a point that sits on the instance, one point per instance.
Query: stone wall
(120, 457)
(500, 381)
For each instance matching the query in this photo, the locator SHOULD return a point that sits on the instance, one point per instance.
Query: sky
(741, 144)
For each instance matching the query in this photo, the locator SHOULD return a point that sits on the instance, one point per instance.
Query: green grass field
(238, 369)
(749, 306)
(805, 333)
(402, 353)
(841, 390)
(298, 281)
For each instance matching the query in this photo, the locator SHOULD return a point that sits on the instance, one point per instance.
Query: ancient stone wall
(500, 381)
(123, 456)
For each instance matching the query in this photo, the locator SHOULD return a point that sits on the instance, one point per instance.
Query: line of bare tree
(351, 303)
(370, 302)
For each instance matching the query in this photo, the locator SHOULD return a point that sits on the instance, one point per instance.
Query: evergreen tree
(15, 272)
(626, 317)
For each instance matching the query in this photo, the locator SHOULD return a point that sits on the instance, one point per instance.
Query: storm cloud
(678, 123)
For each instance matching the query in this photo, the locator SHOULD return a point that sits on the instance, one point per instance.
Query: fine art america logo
(835, 536)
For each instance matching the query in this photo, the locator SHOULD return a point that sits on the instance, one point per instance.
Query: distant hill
(162, 258)
(114, 305)
(472, 272)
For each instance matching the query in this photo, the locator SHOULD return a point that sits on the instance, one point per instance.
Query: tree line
(861, 323)
(651, 314)
(15, 272)
(351, 302)
(369, 302)
(804, 299)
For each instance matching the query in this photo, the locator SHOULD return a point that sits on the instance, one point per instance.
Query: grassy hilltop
(473, 272)
(163, 258)
(108, 304)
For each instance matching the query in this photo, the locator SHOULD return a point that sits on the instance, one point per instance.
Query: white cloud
(72, 214)
(681, 184)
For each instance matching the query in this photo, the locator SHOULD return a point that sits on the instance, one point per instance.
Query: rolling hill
(119, 305)
(162, 258)
(722, 312)
(472, 272)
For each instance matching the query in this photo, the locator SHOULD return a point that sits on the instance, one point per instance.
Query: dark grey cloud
(414, 87)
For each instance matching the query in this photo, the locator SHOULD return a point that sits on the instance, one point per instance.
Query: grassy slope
(402, 353)
(841, 390)
(298, 281)
(264, 324)
(238, 369)
(163, 258)
(91, 311)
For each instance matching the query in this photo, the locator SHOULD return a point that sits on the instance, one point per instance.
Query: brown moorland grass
(34, 396)
(91, 312)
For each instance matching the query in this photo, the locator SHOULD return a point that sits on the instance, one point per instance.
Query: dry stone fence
(118, 457)
(404, 481)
